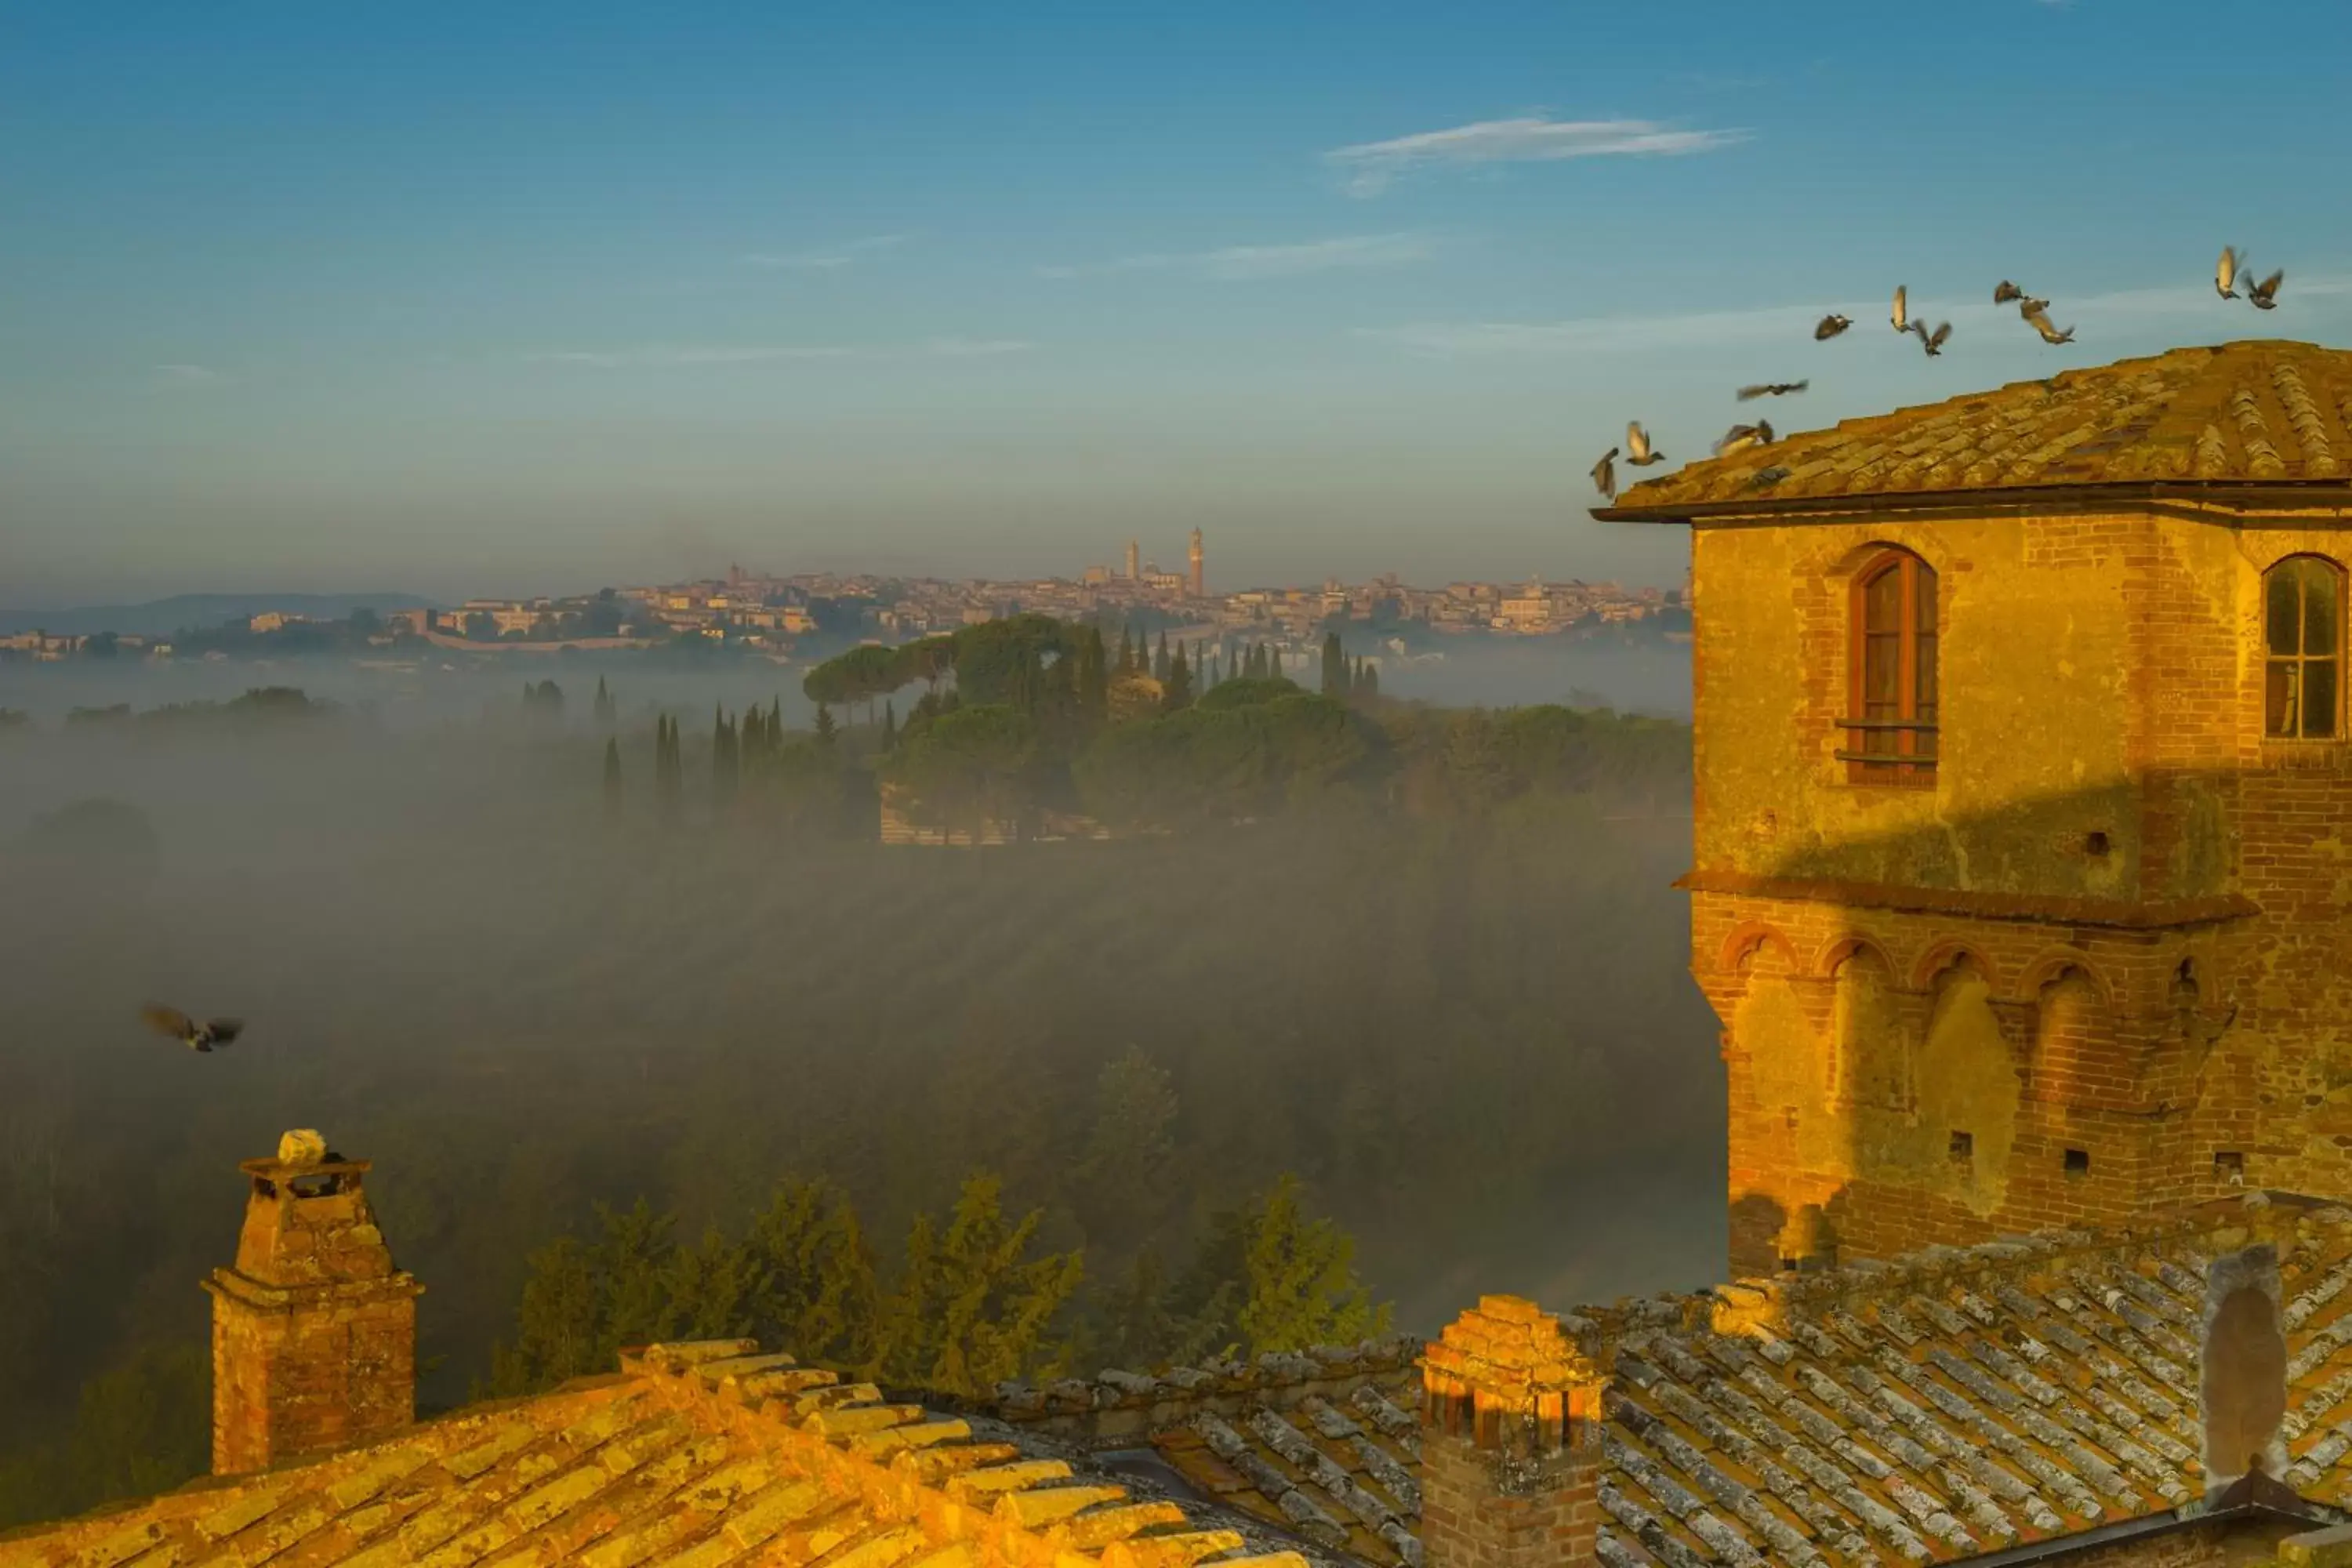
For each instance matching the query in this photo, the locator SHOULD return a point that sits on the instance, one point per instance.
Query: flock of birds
(2229, 275)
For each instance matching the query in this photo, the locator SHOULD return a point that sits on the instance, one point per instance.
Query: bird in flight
(1740, 437)
(1604, 474)
(2264, 294)
(2225, 272)
(1637, 447)
(174, 1025)
(2004, 291)
(1901, 314)
(1772, 389)
(2028, 305)
(1829, 327)
(1932, 341)
(2039, 321)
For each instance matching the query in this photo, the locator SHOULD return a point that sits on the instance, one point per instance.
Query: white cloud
(1241, 263)
(188, 377)
(832, 257)
(758, 354)
(1369, 166)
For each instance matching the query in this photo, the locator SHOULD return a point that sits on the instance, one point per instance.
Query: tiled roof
(1322, 1445)
(697, 1455)
(1940, 1408)
(2243, 413)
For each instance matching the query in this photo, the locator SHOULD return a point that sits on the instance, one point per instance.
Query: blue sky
(509, 297)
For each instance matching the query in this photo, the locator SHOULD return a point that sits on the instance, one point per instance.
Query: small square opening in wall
(1962, 1149)
(2230, 1167)
(2078, 1161)
(2096, 844)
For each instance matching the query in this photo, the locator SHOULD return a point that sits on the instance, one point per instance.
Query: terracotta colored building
(2021, 771)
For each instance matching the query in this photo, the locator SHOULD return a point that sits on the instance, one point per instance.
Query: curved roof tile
(2256, 412)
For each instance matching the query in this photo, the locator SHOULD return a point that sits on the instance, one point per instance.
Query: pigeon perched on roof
(2264, 294)
(1637, 447)
(174, 1025)
(1772, 389)
(1829, 326)
(1604, 474)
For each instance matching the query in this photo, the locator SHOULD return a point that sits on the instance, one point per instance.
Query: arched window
(1891, 733)
(2303, 641)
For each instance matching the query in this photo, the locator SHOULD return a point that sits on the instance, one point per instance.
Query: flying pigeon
(1604, 474)
(1829, 327)
(2264, 294)
(2004, 291)
(1740, 437)
(2225, 273)
(1637, 447)
(1901, 314)
(1772, 389)
(2028, 305)
(2039, 321)
(1932, 342)
(174, 1025)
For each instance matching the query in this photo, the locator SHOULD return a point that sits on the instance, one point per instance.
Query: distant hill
(161, 617)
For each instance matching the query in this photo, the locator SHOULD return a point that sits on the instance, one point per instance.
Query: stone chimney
(1510, 1442)
(314, 1330)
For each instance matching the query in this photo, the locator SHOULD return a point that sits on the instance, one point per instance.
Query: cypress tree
(1335, 667)
(889, 726)
(606, 707)
(1370, 688)
(1160, 665)
(612, 775)
(665, 768)
(1126, 652)
(1094, 677)
(1273, 661)
(825, 726)
(1179, 693)
(726, 763)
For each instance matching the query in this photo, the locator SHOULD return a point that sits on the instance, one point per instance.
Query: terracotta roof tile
(699, 1454)
(2248, 412)
(1937, 1408)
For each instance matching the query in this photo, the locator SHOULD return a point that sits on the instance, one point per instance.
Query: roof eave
(2226, 496)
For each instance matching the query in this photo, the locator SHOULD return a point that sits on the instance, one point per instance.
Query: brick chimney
(1510, 1442)
(314, 1330)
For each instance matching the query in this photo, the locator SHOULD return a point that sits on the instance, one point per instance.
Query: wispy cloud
(1368, 167)
(766, 353)
(830, 256)
(187, 377)
(1241, 263)
(2124, 307)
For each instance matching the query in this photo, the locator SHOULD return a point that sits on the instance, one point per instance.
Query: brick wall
(2101, 676)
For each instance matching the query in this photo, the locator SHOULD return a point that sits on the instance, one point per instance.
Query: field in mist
(1471, 1034)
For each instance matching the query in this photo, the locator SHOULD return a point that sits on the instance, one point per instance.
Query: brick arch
(1953, 952)
(1835, 953)
(1845, 562)
(1748, 939)
(2051, 965)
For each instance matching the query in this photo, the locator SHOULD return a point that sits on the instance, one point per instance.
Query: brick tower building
(1197, 575)
(314, 1329)
(2020, 866)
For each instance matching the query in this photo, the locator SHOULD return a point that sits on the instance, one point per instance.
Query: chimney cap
(282, 1170)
